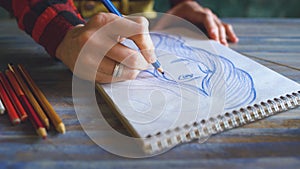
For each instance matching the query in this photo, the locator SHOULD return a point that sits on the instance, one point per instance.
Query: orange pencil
(55, 119)
(13, 116)
(30, 97)
(12, 95)
(35, 120)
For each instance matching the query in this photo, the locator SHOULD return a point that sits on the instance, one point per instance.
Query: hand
(203, 17)
(99, 41)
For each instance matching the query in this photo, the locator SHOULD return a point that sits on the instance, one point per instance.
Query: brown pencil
(30, 96)
(54, 118)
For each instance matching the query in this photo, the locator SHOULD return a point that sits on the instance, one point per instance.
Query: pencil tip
(24, 117)
(161, 70)
(42, 132)
(16, 121)
(10, 67)
(61, 128)
(46, 123)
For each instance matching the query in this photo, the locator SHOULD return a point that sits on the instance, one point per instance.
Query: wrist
(66, 46)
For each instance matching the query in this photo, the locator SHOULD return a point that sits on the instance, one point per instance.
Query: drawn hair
(239, 86)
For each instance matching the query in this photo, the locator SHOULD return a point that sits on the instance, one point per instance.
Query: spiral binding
(205, 128)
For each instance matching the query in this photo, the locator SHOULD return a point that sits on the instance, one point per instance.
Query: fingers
(125, 74)
(217, 30)
(214, 26)
(209, 23)
(230, 33)
(134, 28)
(106, 66)
(199, 15)
(129, 57)
(143, 40)
(221, 30)
(106, 70)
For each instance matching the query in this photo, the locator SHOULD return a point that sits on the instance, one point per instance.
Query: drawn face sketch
(200, 71)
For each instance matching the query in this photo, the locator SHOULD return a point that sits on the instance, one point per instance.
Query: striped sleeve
(46, 21)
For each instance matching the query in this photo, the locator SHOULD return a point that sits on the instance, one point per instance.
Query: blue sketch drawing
(205, 70)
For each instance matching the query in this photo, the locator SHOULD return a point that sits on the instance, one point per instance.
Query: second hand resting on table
(69, 49)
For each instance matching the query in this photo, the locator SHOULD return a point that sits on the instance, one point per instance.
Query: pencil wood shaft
(13, 97)
(12, 79)
(35, 120)
(30, 96)
(53, 116)
(13, 116)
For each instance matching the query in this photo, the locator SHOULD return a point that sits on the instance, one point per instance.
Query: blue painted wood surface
(270, 143)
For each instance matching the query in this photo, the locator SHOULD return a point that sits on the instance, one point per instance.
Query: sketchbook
(207, 88)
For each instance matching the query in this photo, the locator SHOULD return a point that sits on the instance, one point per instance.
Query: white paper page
(203, 79)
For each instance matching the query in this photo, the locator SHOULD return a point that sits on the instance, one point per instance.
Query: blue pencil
(111, 8)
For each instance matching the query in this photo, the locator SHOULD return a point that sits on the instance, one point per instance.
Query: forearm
(47, 22)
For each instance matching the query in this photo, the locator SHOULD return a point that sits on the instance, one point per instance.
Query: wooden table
(270, 143)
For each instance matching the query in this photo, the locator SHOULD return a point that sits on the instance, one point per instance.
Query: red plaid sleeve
(46, 21)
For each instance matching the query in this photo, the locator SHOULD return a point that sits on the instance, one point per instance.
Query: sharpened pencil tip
(24, 117)
(42, 132)
(161, 70)
(61, 128)
(16, 121)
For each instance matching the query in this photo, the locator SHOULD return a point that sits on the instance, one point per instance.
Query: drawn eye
(184, 61)
(185, 77)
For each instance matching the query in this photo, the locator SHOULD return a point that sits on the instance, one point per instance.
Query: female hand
(98, 45)
(203, 17)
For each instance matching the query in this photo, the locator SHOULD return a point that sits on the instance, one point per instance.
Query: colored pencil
(2, 109)
(35, 120)
(53, 116)
(30, 96)
(13, 116)
(111, 8)
(13, 97)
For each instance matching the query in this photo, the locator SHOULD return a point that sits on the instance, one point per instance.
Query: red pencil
(12, 95)
(13, 116)
(35, 120)
(32, 100)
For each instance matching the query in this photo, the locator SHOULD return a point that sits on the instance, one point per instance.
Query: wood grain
(270, 143)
